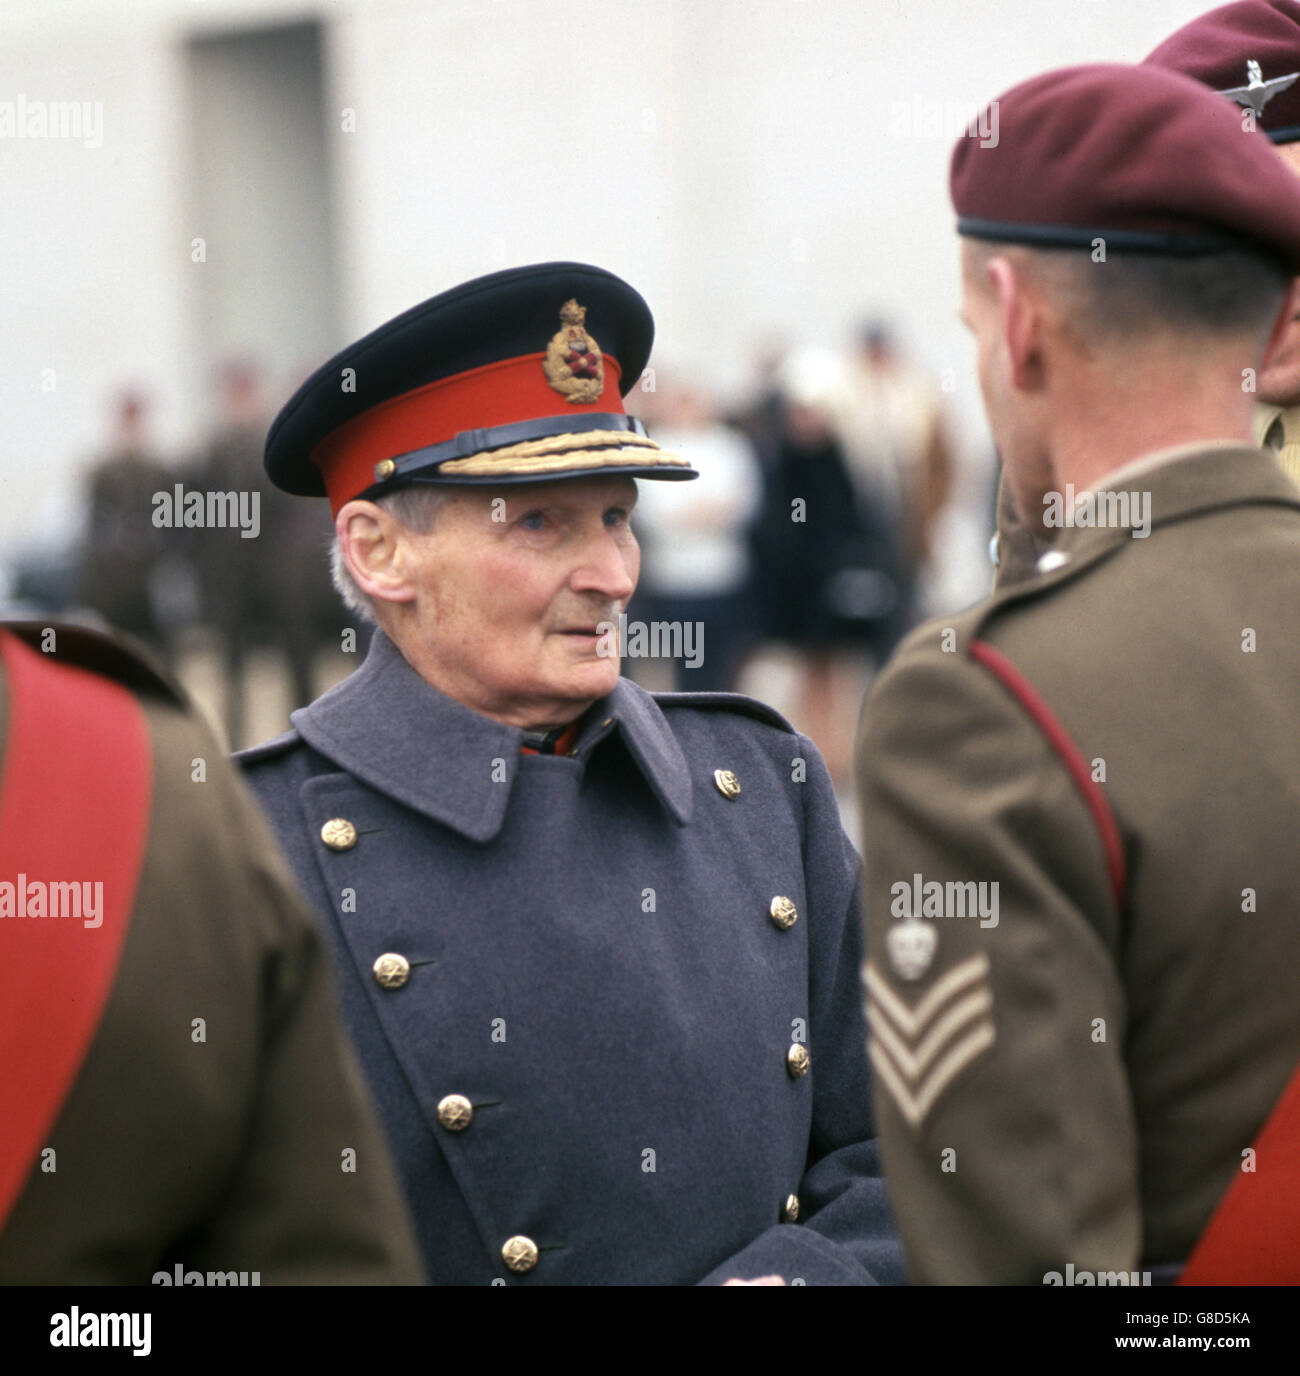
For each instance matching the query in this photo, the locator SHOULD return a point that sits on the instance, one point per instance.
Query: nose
(609, 565)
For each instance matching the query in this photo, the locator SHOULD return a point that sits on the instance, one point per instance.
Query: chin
(579, 682)
(594, 680)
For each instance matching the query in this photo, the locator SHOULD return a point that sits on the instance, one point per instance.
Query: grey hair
(416, 507)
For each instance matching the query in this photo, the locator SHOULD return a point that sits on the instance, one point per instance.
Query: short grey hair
(416, 507)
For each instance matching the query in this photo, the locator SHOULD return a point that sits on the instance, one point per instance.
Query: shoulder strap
(730, 702)
(75, 800)
(1253, 1236)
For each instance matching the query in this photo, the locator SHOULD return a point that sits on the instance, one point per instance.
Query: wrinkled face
(511, 587)
(1279, 383)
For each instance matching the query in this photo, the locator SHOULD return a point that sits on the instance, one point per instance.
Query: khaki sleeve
(218, 1126)
(996, 1013)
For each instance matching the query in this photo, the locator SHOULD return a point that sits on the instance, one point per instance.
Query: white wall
(737, 160)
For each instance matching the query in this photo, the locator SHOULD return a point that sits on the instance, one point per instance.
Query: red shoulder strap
(1253, 1236)
(74, 811)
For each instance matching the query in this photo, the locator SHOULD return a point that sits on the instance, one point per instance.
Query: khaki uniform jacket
(1114, 744)
(1020, 546)
(223, 1154)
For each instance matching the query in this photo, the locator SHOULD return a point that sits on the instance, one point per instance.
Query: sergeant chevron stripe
(918, 1052)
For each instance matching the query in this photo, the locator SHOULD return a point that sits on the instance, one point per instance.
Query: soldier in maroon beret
(1249, 53)
(1079, 798)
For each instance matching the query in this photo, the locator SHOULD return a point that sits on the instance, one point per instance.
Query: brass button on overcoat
(455, 1112)
(783, 912)
(339, 834)
(519, 1254)
(391, 971)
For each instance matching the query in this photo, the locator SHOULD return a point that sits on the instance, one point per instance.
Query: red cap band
(502, 393)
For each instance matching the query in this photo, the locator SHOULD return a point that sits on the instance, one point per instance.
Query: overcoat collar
(396, 733)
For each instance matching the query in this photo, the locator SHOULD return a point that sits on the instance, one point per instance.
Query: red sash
(74, 809)
(1253, 1236)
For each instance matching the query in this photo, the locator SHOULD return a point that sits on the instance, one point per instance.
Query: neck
(1138, 412)
(535, 716)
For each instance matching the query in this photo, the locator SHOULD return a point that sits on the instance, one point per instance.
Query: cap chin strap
(469, 443)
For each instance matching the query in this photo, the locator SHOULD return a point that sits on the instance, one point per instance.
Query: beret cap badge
(1257, 92)
(574, 365)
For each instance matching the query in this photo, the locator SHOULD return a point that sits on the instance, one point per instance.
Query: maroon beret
(1249, 52)
(1146, 159)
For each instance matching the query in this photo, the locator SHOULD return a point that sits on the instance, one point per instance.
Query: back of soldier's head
(1135, 199)
(1128, 299)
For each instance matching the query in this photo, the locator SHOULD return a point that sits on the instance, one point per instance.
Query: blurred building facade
(192, 180)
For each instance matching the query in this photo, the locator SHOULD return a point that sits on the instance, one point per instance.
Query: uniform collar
(396, 733)
(1181, 483)
(1265, 414)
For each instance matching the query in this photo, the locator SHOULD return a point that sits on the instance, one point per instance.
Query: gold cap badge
(574, 365)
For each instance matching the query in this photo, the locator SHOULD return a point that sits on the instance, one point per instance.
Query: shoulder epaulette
(1041, 585)
(727, 702)
(111, 655)
(267, 750)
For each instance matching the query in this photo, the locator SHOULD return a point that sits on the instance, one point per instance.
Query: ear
(1282, 322)
(1020, 321)
(374, 546)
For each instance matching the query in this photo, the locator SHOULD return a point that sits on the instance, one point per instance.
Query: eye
(533, 520)
(617, 516)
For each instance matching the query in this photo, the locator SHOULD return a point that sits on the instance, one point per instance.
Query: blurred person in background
(896, 445)
(827, 569)
(264, 591)
(123, 550)
(763, 418)
(695, 537)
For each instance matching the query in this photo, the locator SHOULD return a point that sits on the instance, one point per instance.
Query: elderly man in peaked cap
(1249, 53)
(598, 949)
(1079, 797)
